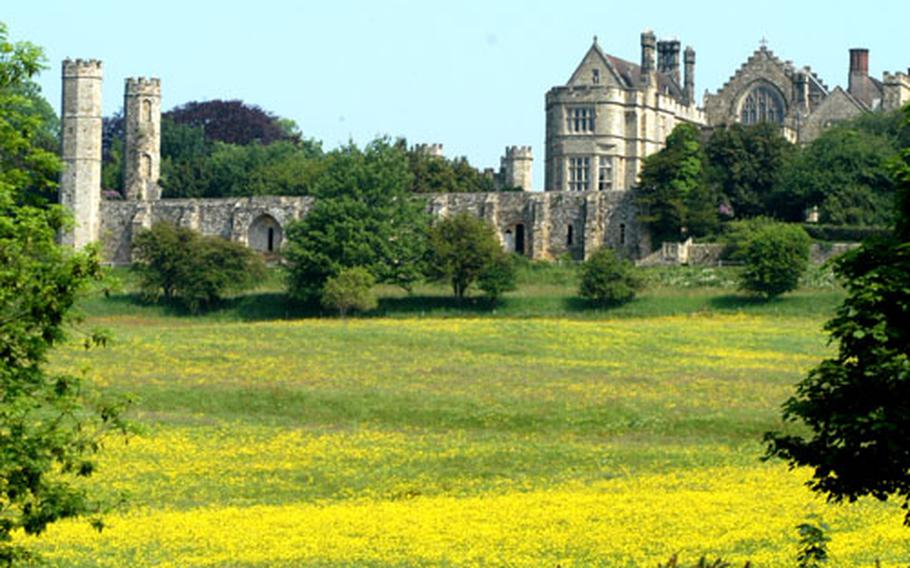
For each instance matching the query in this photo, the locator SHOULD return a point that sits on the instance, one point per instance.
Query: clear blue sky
(471, 74)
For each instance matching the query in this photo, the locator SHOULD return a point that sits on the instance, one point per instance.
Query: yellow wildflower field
(504, 442)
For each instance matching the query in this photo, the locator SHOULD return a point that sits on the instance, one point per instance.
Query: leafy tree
(672, 195)
(51, 424)
(745, 165)
(776, 255)
(855, 403)
(351, 289)
(498, 277)
(436, 174)
(607, 279)
(461, 249)
(179, 263)
(845, 172)
(233, 122)
(364, 216)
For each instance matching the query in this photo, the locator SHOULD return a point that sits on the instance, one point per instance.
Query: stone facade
(142, 147)
(80, 183)
(766, 89)
(613, 113)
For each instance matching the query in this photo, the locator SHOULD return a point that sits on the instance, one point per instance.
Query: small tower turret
(142, 148)
(515, 167)
(80, 183)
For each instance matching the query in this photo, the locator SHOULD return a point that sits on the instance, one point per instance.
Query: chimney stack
(648, 45)
(689, 59)
(859, 71)
(668, 58)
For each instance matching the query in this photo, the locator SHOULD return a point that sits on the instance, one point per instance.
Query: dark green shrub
(351, 289)
(499, 276)
(607, 279)
(844, 233)
(180, 264)
(775, 256)
(460, 250)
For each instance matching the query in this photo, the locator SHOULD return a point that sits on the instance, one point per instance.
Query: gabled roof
(628, 74)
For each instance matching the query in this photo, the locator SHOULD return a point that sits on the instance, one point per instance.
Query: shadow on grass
(734, 302)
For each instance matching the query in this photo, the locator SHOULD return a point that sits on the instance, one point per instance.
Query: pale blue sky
(470, 74)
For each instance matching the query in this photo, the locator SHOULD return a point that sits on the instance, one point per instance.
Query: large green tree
(857, 404)
(51, 424)
(845, 172)
(364, 215)
(672, 195)
(462, 248)
(745, 165)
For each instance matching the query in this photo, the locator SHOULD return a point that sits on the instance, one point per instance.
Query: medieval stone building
(600, 126)
(767, 89)
(613, 113)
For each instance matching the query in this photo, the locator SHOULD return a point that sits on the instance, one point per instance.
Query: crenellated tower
(515, 167)
(142, 148)
(80, 183)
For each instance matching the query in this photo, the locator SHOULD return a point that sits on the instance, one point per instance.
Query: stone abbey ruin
(600, 126)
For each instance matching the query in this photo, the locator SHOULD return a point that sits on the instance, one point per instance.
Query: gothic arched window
(762, 104)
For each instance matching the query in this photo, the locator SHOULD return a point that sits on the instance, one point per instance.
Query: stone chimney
(648, 47)
(668, 58)
(689, 60)
(859, 73)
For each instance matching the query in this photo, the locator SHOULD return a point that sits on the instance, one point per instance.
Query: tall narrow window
(579, 174)
(762, 104)
(271, 239)
(622, 233)
(595, 76)
(569, 236)
(147, 110)
(580, 120)
(604, 173)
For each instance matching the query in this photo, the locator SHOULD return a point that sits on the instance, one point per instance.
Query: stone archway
(265, 234)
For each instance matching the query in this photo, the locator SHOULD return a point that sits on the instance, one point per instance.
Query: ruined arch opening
(265, 234)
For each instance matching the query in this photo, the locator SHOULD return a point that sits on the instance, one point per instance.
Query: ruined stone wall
(544, 219)
(229, 218)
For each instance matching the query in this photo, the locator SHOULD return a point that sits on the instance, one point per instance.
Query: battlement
(82, 68)
(148, 86)
(429, 149)
(518, 153)
(897, 78)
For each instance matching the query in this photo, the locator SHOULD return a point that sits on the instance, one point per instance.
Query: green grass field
(533, 433)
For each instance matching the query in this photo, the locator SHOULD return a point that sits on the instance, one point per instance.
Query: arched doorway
(265, 234)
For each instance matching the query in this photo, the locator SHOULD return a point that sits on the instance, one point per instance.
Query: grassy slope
(575, 433)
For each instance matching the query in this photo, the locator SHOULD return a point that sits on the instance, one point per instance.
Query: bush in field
(775, 256)
(351, 289)
(180, 264)
(498, 277)
(607, 279)
(461, 248)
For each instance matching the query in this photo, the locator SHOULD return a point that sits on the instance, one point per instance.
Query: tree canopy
(51, 424)
(672, 194)
(855, 404)
(364, 216)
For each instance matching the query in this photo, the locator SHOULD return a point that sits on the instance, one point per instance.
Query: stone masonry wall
(595, 218)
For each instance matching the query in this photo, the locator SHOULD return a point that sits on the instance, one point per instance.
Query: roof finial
(764, 42)
(595, 39)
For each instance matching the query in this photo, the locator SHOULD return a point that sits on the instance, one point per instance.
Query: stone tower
(515, 167)
(80, 183)
(689, 62)
(142, 149)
